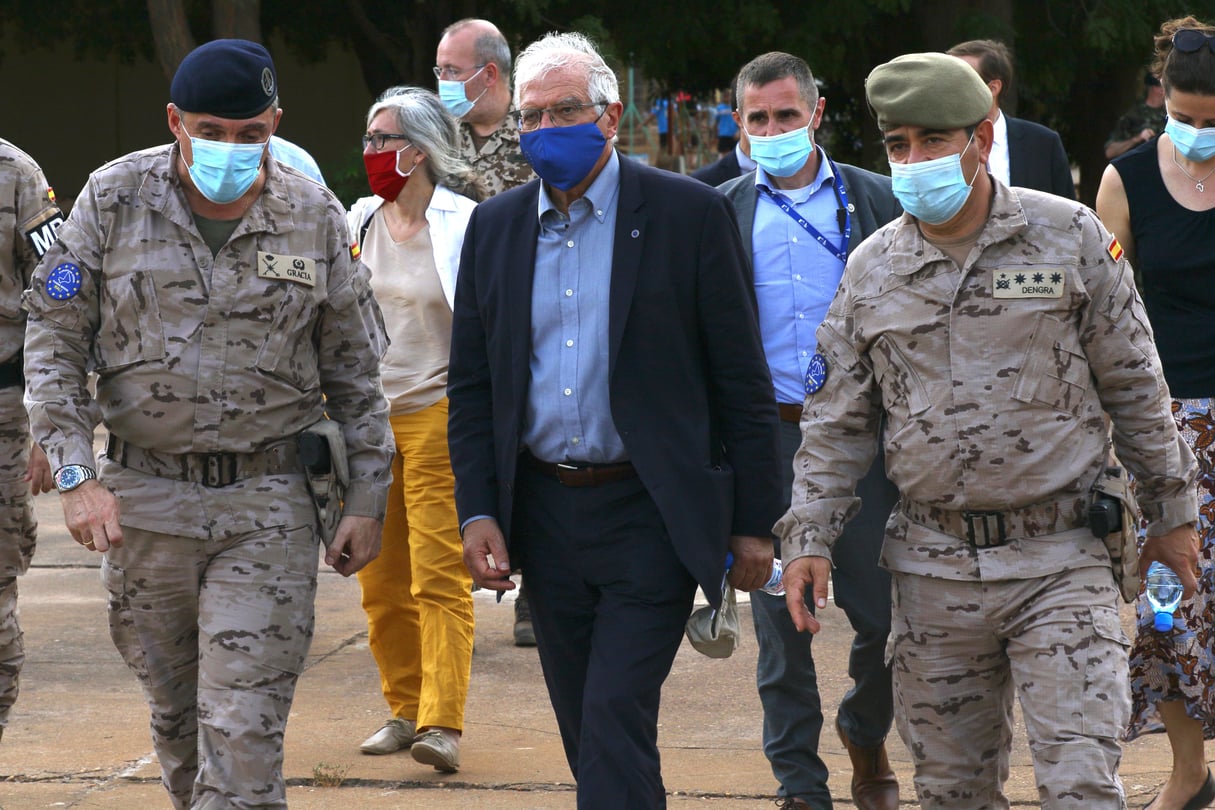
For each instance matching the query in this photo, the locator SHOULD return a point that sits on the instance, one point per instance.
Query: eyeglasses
(528, 119)
(1189, 40)
(381, 139)
(450, 73)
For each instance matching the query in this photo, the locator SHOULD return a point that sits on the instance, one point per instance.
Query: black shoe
(525, 636)
(1200, 800)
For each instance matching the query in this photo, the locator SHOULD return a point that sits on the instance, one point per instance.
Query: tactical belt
(12, 374)
(991, 529)
(581, 475)
(208, 469)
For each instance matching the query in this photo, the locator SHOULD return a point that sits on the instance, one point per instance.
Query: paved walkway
(78, 737)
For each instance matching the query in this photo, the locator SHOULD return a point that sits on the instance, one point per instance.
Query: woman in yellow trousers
(417, 594)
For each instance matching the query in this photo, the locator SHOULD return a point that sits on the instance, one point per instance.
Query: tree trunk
(237, 19)
(171, 33)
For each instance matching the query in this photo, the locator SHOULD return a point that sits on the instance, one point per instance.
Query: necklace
(1198, 184)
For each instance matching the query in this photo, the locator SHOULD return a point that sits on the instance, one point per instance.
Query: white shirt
(997, 161)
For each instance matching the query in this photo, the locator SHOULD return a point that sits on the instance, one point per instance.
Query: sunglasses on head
(1189, 40)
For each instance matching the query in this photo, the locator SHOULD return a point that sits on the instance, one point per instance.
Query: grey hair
(556, 51)
(489, 46)
(428, 125)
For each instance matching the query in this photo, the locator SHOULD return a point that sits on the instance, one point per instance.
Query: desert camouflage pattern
(992, 403)
(211, 595)
(499, 162)
(1136, 120)
(29, 218)
(1056, 642)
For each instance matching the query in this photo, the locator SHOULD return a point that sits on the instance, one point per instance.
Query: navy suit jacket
(690, 392)
(719, 171)
(1037, 160)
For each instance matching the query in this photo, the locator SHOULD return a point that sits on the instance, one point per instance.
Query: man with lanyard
(804, 213)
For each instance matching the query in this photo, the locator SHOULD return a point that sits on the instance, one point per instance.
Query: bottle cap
(1164, 622)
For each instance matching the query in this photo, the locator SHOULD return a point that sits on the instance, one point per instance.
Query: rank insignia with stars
(816, 373)
(63, 282)
(1044, 283)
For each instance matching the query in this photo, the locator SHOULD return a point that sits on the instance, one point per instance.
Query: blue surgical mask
(454, 97)
(1195, 144)
(563, 156)
(932, 191)
(223, 172)
(782, 155)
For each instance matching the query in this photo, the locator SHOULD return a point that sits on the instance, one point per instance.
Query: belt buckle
(987, 521)
(566, 473)
(219, 469)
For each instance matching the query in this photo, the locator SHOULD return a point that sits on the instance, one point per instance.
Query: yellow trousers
(417, 594)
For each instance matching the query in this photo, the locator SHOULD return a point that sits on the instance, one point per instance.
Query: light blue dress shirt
(795, 276)
(569, 414)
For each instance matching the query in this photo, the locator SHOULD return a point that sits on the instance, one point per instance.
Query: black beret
(230, 78)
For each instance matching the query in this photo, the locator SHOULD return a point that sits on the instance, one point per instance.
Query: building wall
(74, 115)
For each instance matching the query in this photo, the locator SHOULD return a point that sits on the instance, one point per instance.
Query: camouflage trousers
(17, 535)
(217, 631)
(961, 649)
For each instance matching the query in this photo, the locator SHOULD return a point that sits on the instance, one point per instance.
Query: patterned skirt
(1180, 665)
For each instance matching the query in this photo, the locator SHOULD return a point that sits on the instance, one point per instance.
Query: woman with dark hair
(1155, 200)
(417, 594)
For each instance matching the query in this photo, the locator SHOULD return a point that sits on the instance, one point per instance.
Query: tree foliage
(1078, 61)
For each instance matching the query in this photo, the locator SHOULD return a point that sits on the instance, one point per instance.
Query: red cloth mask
(382, 173)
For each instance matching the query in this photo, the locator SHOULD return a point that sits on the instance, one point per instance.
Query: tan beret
(932, 90)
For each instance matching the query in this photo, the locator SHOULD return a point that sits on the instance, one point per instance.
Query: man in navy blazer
(734, 163)
(1023, 154)
(801, 218)
(612, 426)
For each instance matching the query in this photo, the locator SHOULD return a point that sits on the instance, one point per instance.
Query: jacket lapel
(626, 254)
(519, 264)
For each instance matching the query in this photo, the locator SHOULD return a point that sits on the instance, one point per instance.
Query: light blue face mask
(223, 172)
(454, 97)
(1195, 144)
(932, 191)
(784, 154)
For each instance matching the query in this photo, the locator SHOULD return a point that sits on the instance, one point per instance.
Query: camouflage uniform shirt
(995, 378)
(196, 353)
(499, 162)
(1137, 119)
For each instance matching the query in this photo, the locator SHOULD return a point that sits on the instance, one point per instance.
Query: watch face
(71, 476)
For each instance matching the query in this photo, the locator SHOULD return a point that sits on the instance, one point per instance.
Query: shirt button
(575, 440)
(801, 315)
(795, 239)
(797, 276)
(568, 391)
(599, 213)
(570, 243)
(569, 343)
(568, 293)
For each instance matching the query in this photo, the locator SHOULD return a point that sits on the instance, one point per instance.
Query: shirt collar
(600, 194)
(745, 163)
(825, 175)
(1000, 128)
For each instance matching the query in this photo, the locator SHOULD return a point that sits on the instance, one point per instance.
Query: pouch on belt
(323, 454)
(1113, 516)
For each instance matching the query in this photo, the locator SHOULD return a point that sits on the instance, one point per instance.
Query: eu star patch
(816, 373)
(63, 282)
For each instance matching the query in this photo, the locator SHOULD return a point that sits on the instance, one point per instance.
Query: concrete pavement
(78, 736)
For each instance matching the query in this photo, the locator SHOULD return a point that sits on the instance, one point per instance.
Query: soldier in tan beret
(994, 327)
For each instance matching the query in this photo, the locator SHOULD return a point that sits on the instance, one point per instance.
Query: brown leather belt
(208, 469)
(580, 475)
(989, 529)
(790, 413)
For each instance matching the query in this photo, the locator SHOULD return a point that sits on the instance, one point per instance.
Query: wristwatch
(73, 475)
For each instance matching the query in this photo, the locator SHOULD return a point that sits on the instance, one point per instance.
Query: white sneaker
(438, 748)
(393, 736)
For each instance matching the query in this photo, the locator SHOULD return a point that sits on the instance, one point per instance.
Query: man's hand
(91, 514)
(485, 555)
(752, 562)
(38, 473)
(355, 543)
(1178, 549)
(806, 573)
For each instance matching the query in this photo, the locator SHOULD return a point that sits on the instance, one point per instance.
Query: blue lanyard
(844, 213)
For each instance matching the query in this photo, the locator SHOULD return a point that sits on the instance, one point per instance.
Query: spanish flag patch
(1115, 249)
(355, 251)
(50, 193)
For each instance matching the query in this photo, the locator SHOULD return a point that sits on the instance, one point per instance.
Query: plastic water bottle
(775, 584)
(1163, 588)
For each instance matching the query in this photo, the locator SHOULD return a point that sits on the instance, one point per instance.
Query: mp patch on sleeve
(41, 231)
(63, 282)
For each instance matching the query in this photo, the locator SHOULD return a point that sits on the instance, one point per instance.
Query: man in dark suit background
(1023, 154)
(612, 425)
(801, 213)
(732, 164)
